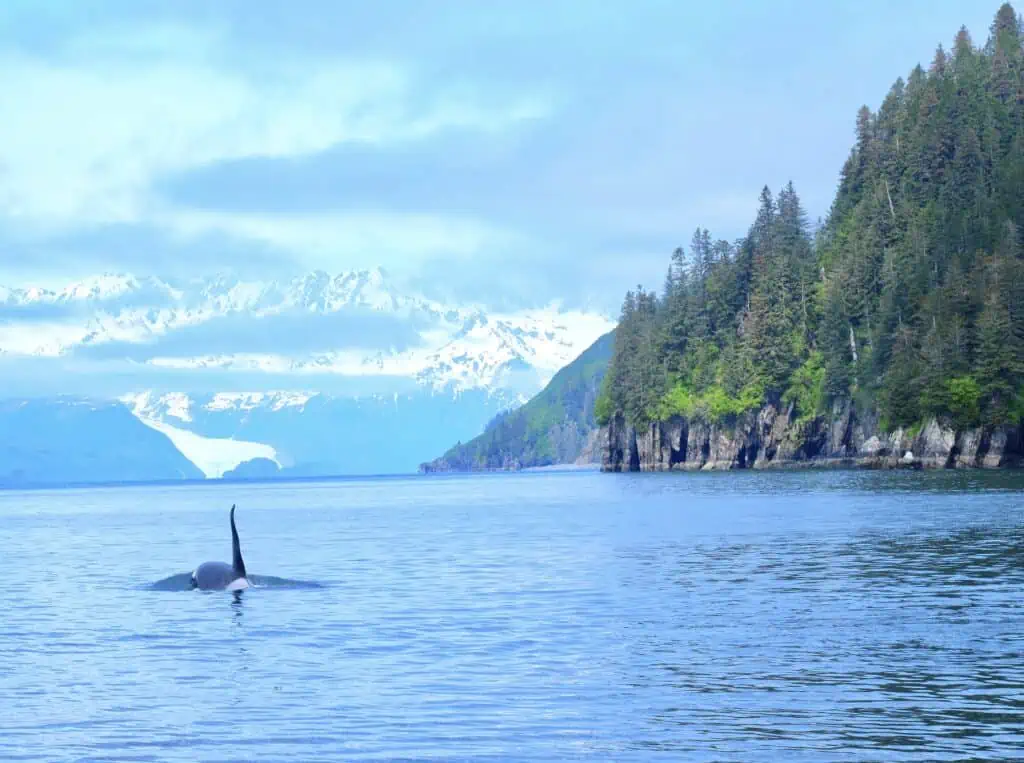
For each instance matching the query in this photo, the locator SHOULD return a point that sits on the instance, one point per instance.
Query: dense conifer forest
(908, 299)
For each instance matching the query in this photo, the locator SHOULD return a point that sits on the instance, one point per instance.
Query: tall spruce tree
(908, 298)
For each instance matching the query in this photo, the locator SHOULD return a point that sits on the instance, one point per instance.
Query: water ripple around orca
(183, 582)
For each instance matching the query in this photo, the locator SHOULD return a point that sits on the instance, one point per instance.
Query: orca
(221, 576)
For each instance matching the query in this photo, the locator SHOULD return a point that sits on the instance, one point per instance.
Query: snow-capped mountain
(442, 346)
(427, 374)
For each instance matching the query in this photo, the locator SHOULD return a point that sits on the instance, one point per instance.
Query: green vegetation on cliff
(908, 299)
(551, 428)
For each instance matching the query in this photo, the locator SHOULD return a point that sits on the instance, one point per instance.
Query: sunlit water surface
(743, 616)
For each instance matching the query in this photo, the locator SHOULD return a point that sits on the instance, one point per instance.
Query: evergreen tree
(1000, 368)
(909, 297)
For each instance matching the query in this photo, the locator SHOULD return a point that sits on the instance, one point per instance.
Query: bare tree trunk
(892, 209)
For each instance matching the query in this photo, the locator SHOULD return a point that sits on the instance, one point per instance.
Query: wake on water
(183, 582)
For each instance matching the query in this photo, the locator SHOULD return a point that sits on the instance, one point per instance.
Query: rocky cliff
(771, 437)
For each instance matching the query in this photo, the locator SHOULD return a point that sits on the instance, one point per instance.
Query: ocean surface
(545, 616)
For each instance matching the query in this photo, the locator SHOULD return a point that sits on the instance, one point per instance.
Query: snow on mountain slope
(485, 352)
(212, 455)
(436, 373)
(486, 349)
(326, 434)
(100, 288)
(151, 406)
(127, 309)
(247, 401)
(458, 347)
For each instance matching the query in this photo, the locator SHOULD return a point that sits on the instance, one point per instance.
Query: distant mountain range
(351, 324)
(320, 374)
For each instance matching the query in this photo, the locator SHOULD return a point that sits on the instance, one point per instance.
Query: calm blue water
(797, 616)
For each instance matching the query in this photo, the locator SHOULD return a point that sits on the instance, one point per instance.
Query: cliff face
(771, 438)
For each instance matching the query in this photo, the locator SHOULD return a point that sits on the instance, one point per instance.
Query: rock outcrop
(772, 438)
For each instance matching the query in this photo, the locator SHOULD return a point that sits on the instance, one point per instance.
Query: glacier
(213, 456)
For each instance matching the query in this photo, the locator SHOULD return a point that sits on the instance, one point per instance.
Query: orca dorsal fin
(237, 563)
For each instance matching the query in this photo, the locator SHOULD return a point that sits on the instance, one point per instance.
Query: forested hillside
(555, 427)
(908, 299)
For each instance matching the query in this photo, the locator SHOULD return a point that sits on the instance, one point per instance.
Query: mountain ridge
(351, 324)
(557, 426)
(294, 371)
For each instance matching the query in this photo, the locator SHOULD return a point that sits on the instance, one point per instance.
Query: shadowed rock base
(772, 438)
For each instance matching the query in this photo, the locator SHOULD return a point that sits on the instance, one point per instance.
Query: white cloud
(348, 240)
(87, 133)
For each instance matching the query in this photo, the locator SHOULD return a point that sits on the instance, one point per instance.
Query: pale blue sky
(500, 151)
